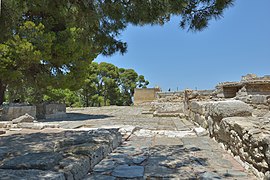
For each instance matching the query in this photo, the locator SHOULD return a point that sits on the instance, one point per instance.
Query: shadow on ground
(78, 117)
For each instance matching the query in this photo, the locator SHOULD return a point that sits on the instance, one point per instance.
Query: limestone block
(259, 99)
(13, 112)
(23, 118)
(167, 107)
(51, 111)
(199, 107)
(75, 168)
(230, 108)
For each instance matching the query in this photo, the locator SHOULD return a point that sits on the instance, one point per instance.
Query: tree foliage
(44, 44)
(107, 84)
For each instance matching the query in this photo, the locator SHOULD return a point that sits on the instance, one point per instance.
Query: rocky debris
(68, 154)
(2, 132)
(23, 118)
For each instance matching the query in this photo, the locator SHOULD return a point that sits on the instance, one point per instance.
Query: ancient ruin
(193, 134)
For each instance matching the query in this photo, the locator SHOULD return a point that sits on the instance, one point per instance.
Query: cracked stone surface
(152, 148)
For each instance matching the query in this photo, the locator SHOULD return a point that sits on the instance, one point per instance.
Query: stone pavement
(152, 148)
(163, 157)
(161, 148)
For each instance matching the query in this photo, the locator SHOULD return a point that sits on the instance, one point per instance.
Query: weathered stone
(51, 111)
(209, 176)
(2, 132)
(229, 108)
(199, 107)
(7, 174)
(200, 131)
(41, 161)
(139, 159)
(259, 99)
(75, 167)
(13, 112)
(125, 171)
(38, 126)
(99, 177)
(23, 118)
(4, 124)
(104, 165)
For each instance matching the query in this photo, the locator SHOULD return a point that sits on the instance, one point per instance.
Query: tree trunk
(2, 92)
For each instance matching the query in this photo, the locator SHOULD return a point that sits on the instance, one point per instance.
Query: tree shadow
(76, 117)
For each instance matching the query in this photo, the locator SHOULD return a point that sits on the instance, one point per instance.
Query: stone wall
(51, 111)
(169, 94)
(145, 95)
(231, 123)
(15, 111)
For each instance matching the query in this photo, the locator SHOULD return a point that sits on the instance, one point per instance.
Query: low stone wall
(15, 111)
(51, 111)
(169, 94)
(209, 114)
(230, 122)
(248, 138)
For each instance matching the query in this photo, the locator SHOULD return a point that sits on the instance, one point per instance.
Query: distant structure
(143, 95)
(250, 84)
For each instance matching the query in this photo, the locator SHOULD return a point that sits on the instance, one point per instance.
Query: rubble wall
(230, 122)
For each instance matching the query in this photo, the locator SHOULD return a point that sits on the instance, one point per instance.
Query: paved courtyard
(160, 148)
(152, 148)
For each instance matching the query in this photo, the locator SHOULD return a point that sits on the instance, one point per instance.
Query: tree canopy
(49, 44)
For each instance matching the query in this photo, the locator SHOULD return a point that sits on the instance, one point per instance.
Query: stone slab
(126, 171)
(41, 161)
(30, 175)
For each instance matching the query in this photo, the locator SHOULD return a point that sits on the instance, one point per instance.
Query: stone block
(12, 112)
(75, 168)
(51, 111)
(230, 108)
(199, 107)
(259, 99)
(23, 118)
(167, 107)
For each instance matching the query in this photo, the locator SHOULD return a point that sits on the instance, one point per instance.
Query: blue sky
(170, 57)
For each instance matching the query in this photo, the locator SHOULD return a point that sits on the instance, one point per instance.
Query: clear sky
(170, 57)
